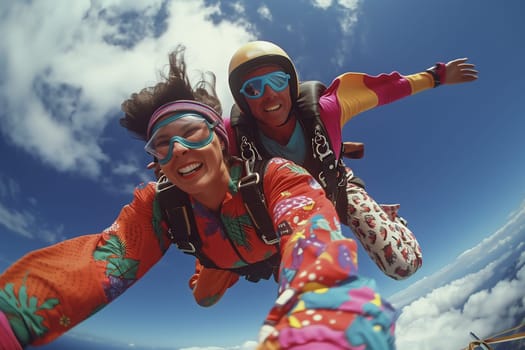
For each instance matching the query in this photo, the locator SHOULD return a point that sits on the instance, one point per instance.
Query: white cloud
(27, 223)
(8, 187)
(423, 323)
(349, 12)
(473, 302)
(125, 168)
(522, 256)
(349, 21)
(248, 345)
(500, 244)
(17, 221)
(350, 4)
(323, 4)
(265, 12)
(65, 74)
(348, 18)
(238, 7)
(51, 235)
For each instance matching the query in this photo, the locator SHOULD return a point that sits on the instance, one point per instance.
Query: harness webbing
(178, 213)
(251, 187)
(323, 162)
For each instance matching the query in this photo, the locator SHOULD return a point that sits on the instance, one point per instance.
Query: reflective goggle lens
(189, 129)
(254, 87)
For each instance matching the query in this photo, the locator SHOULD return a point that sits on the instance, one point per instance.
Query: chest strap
(251, 187)
(177, 211)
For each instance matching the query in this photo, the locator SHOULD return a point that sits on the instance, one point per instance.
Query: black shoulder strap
(178, 213)
(308, 101)
(245, 136)
(323, 163)
(177, 210)
(251, 187)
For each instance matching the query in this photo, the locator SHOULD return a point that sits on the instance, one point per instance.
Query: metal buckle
(191, 250)
(276, 240)
(163, 184)
(249, 180)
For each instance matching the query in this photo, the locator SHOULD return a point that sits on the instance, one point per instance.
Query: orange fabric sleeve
(50, 290)
(209, 285)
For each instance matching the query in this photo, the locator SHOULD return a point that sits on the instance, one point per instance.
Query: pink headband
(190, 106)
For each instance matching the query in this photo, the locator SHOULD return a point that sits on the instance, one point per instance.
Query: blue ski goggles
(189, 129)
(254, 87)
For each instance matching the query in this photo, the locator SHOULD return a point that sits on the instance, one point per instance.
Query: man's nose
(268, 90)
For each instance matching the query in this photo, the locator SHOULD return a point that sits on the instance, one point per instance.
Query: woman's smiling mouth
(189, 169)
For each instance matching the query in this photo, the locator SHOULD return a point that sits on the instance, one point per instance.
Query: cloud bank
(486, 302)
(64, 74)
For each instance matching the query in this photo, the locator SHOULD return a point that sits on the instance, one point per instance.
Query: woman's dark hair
(140, 106)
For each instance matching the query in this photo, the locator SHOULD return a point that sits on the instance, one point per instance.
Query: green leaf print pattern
(22, 312)
(296, 169)
(236, 229)
(121, 271)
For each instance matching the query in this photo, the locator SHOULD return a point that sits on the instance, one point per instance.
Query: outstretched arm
(322, 300)
(353, 93)
(48, 291)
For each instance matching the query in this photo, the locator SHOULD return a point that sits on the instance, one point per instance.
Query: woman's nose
(178, 149)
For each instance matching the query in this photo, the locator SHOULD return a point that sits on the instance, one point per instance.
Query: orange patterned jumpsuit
(322, 300)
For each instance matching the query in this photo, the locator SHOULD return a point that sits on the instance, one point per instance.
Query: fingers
(458, 61)
(466, 65)
(469, 71)
(467, 78)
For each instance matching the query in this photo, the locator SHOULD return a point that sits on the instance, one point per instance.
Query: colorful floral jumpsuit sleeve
(322, 301)
(386, 239)
(50, 290)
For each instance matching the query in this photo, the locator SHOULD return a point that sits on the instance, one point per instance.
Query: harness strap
(261, 270)
(324, 165)
(251, 187)
(177, 211)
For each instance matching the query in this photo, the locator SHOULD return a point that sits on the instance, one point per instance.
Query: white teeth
(189, 168)
(273, 108)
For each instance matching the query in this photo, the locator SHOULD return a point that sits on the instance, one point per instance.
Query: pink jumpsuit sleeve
(390, 243)
(352, 93)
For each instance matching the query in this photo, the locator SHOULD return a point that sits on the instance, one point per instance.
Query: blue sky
(452, 156)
